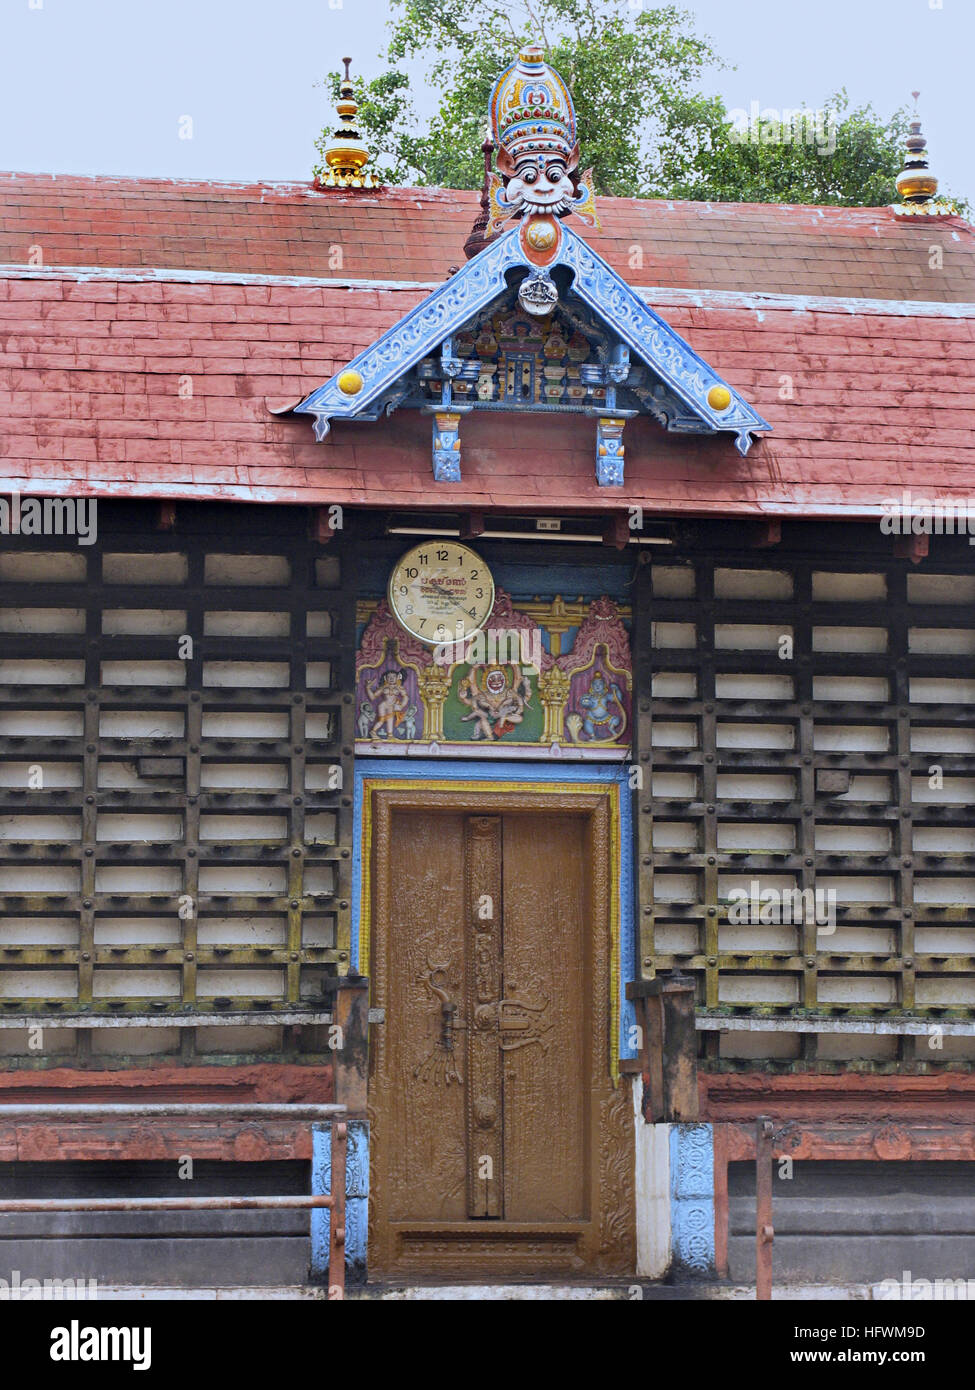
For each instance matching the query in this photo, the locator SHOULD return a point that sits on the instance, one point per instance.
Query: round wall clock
(441, 591)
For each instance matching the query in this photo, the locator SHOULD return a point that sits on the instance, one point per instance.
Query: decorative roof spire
(347, 154)
(916, 183)
(478, 238)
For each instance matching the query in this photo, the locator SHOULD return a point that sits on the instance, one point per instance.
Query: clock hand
(447, 595)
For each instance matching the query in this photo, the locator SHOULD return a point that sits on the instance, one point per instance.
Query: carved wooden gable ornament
(536, 321)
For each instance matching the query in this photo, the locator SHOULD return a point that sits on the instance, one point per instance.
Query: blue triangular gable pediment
(639, 364)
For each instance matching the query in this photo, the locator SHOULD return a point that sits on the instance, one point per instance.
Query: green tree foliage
(833, 155)
(643, 125)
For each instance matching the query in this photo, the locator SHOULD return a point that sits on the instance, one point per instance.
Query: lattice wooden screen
(175, 777)
(810, 726)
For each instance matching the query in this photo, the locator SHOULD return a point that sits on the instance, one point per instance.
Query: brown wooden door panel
(543, 1041)
(499, 1145)
(427, 1169)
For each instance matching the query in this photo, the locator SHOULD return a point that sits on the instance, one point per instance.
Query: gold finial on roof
(916, 183)
(346, 153)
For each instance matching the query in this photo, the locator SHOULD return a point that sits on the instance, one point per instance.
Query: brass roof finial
(916, 183)
(346, 153)
(478, 239)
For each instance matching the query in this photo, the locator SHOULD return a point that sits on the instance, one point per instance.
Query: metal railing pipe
(20, 1204)
(258, 1110)
(165, 1111)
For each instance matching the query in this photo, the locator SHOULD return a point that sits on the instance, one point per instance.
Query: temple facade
(516, 683)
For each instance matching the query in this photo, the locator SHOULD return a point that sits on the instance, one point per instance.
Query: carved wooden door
(499, 1145)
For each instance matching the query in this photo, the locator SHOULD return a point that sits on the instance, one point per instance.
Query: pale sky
(100, 86)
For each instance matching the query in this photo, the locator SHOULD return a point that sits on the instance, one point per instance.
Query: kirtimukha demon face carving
(539, 183)
(534, 127)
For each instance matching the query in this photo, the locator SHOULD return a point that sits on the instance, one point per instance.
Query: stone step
(275, 1260)
(491, 1293)
(874, 1216)
(866, 1259)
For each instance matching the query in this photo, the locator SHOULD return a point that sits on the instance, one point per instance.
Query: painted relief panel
(550, 678)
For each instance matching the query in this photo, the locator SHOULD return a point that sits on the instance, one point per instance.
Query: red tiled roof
(417, 234)
(882, 398)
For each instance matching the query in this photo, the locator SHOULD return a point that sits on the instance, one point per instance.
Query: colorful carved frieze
(558, 683)
(598, 700)
(514, 358)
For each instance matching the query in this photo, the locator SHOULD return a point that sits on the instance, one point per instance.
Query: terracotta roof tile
(90, 374)
(417, 234)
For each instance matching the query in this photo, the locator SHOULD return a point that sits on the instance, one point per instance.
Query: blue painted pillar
(692, 1198)
(446, 446)
(609, 451)
(356, 1200)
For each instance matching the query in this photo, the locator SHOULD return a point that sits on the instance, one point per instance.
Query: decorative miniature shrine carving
(515, 359)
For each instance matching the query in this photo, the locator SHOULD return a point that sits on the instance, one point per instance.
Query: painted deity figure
(534, 126)
(604, 710)
(391, 702)
(497, 697)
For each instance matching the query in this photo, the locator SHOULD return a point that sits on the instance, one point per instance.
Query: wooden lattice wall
(810, 724)
(844, 762)
(175, 816)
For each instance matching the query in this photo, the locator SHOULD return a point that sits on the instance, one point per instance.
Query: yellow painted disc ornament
(350, 383)
(719, 398)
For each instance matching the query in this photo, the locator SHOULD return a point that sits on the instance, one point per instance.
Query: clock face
(441, 591)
